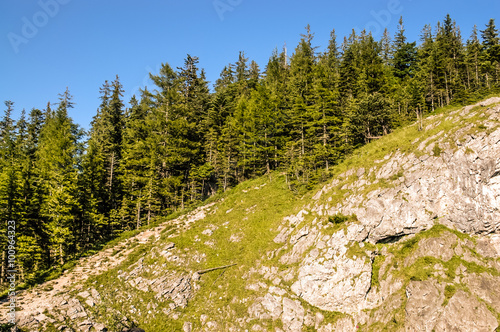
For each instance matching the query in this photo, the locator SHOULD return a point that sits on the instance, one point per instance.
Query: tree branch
(214, 269)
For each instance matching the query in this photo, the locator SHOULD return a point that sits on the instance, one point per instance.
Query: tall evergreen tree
(302, 66)
(58, 155)
(101, 163)
(405, 54)
(491, 54)
(490, 34)
(8, 180)
(135, 165)
(472, 60)
(32, 233)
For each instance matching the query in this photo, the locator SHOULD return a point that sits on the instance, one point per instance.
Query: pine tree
(427, 69)
(449, 58)
(58, 156)
(134, 168)
(242, 72)
(30, 233)
(219, 111)
(302, 66)
(350, 69)
(404, 63)
(491, 54)
(490, 34)
(101, 164)
(405, 54)
(33, 243)
(194, 108)
(254, 75)
(472, 60)
(385, 48)
(327, 113)
(275, 91)
(8, 181)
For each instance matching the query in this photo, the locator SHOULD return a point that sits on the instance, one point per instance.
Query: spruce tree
(8, 180)
(302, 66)
(30, 232)
(491, 54)
(58, 156)
(135, 164)
(472, 60)
(404, 55)
(490, 34)
(101, 164)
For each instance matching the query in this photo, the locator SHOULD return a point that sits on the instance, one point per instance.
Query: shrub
(338, 218)
(436, 150)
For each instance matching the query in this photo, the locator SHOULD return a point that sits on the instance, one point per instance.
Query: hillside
(404, 236)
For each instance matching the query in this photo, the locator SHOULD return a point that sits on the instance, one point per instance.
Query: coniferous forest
(179, 143)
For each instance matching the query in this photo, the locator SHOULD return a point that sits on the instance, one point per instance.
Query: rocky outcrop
(332, 281)
(461, 186)
(410, 241)
(459, 183)
(64, 303)
(457, 188)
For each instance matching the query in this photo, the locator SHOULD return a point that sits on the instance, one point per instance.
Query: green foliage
(256, 226)
(436, 150)
(338, 222)
(6, 327)
(338, 218)
(376, 265)
(355, 251)
(449, 291)
(180, 144)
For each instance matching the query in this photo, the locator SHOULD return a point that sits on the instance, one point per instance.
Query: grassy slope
(235, 215)
(254, 214)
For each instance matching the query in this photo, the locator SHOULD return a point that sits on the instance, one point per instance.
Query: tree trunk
(139, 211)
(468, 78)
(477, 70)
(268, 166)
(61, 256)
(3, 268)
(325, 138)
(432, 92)
(275, 157)
(149, 199)
(302, 139)
(111, 179)
(446, 86)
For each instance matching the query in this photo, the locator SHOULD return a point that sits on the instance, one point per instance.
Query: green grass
(400, 140)
(422, 269)
(354, 251)
(376, 265)
(436, 150)
(221, 292)
(337, 222)
(258, 228)
(449, 291)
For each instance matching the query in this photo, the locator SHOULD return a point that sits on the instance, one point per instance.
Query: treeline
(180, 143)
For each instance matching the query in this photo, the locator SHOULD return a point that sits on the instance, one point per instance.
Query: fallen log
(214, 269)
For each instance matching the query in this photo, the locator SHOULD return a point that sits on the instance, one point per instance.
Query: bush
(436, 150)
(6, 327)
(339, 218)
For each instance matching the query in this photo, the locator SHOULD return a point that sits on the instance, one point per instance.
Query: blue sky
(48, 45)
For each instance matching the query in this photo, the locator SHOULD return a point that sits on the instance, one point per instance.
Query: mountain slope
(406, 236)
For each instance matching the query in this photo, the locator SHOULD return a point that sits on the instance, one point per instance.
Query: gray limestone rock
(424, 305)
(465, 313)
(293, 315)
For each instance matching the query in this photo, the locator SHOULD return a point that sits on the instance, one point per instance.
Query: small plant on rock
(338, 218)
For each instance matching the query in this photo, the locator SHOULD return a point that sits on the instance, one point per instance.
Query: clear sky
(48, 45)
